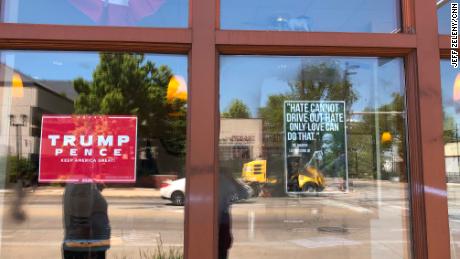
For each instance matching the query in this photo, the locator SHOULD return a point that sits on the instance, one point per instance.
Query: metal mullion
(426, 123)
(417, 202)
(217, 19)
(201, 226)
(315, 39)
(317, 43)
(312, 51)
(97, 46)
(444, 46)
(62, 37)
(408, 16)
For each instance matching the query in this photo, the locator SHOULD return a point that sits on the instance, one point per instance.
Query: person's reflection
(18, 212)
(227, 188)
(86, 222)
(151, 163)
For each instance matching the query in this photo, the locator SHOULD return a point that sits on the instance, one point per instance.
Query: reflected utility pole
(18, 126)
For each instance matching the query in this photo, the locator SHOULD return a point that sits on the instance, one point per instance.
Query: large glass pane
(313, 158)
(444, 15)
(311, 15)
(140, 13)
(450, 81)
(86, 141)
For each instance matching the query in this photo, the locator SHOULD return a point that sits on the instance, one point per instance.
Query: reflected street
(286, 225)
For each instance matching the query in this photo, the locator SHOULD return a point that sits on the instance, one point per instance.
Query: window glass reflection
(91, 144)
(444, 18)
(142, 13)
(311, 15)
(313, 158)
(450, 81)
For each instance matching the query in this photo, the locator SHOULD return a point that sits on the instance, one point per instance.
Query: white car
(175, 191)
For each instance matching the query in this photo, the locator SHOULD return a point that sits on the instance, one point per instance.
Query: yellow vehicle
(303, 178)
(255, 174)
(310, 180)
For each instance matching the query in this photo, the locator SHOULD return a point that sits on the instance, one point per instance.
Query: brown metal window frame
(419, 44)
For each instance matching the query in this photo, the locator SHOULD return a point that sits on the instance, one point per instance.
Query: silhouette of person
(227, 188)
(18, 212)
(86, 223)
(149, 163)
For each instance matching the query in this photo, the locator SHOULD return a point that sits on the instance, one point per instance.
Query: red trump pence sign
(87, 148)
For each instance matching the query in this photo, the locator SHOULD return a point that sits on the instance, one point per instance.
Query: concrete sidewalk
(127, 192)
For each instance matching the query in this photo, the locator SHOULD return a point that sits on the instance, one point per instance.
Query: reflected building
(452, 157)
(240, 140)
(24, 100)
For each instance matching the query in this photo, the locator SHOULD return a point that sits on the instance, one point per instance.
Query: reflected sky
(312, 15)
(143, 13)
(67, 66)
(258, 77)
(444, 15)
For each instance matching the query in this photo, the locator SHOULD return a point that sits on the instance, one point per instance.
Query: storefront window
(313, 158)
(86, 142)
(311, 15)
(139, 13)
(450, 81)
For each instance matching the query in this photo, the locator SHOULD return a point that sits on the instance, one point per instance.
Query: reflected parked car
(175, 191)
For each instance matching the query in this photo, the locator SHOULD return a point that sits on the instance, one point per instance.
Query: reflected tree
(237, 109)
(127, 84)
(324, 81)
(450, 129)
